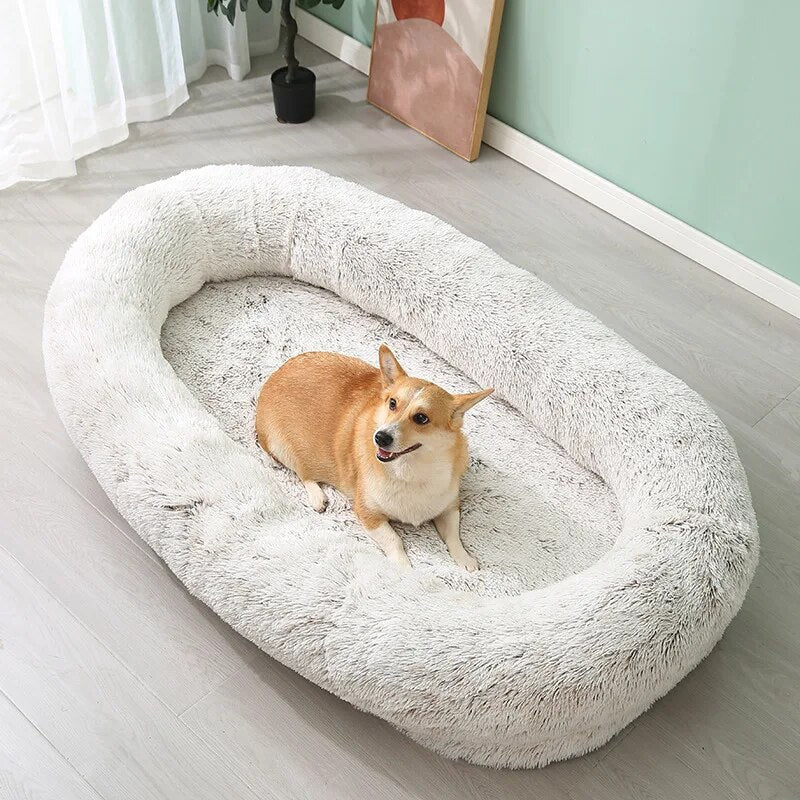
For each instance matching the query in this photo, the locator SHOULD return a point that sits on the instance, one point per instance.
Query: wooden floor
(117, 684)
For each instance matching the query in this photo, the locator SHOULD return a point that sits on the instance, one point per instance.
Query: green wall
(693, 105)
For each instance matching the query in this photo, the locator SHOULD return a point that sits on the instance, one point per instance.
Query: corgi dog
(391, 443)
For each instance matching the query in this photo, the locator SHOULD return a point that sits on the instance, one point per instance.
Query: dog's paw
(468, 562)
(316, 496)
(401, 559)
(320, 505)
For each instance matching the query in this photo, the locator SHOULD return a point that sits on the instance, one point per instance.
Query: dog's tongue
(384, 453)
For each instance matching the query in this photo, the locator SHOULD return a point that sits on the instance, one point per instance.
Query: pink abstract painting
(431, 66)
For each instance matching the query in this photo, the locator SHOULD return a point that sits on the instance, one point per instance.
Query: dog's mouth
(391, 455)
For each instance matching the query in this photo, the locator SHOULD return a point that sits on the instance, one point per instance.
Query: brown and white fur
(392, 443)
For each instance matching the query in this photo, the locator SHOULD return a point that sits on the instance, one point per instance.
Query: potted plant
(293, 86)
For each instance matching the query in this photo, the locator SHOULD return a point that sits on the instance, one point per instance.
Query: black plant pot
(294, 102)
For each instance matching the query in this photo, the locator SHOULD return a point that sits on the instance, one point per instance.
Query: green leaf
(306, 4)
(265, 5)
(230, 11)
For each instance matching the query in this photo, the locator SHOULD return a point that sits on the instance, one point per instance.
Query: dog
(391, 443)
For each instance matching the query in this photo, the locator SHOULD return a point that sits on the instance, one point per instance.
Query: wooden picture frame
(424, 67)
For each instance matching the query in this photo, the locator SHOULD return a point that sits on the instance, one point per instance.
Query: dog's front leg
(382, 533)
(390, 542)
(447, 523)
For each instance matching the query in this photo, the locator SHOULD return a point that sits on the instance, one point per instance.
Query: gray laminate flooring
(115, 683)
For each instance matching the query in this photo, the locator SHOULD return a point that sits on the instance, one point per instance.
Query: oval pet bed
(604, 500)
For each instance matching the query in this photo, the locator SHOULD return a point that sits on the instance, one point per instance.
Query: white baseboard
(710, 253)
(643, 216)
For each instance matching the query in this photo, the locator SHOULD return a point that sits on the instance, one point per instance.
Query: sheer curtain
(75, 73)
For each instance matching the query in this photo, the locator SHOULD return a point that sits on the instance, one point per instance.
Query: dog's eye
(392, 403)
(420, 418)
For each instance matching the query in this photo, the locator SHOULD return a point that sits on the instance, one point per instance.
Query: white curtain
(75, 73)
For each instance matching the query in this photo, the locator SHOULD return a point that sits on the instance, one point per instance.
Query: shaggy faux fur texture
(531, 512)
(598, 593)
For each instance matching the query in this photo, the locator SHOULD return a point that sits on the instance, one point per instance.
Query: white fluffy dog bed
(605, 501)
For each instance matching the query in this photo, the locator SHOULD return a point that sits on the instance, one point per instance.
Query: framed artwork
(431, 67)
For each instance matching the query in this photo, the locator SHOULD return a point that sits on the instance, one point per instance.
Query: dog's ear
(390, 366)
(464, 402)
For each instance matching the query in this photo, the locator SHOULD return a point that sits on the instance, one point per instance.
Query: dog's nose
(383, 439)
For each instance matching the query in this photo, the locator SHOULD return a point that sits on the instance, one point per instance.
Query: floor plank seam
(620, 739)
(134, 676)
(220, 754)
(55, 749)
(91, 633)
(133, 539)
(248, 662)
(783, 400)
(768, 412)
